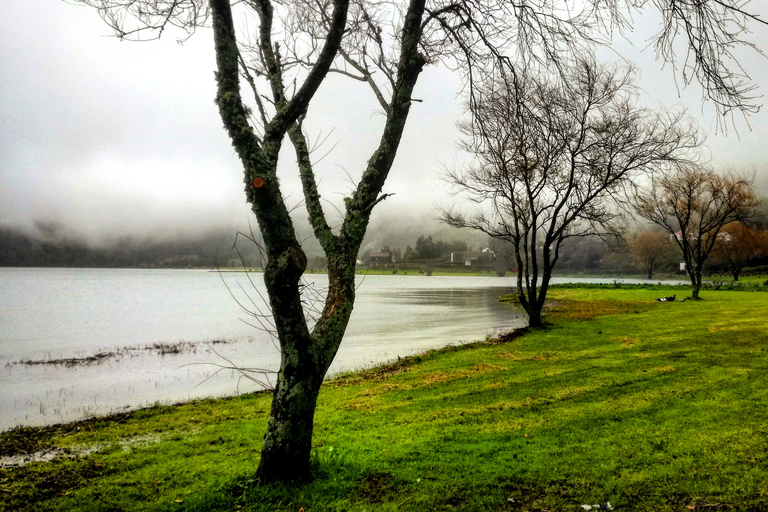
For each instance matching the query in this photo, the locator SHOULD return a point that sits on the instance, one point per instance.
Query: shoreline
(621, 399)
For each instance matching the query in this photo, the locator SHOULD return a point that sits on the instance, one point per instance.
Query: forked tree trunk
(305, 359)
(305, 356)
(533, 302)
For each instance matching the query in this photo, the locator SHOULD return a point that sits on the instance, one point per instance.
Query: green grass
(651, 406)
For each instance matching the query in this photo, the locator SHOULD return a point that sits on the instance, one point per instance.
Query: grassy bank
(649, 406)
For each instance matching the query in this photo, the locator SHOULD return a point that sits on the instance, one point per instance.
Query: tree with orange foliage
(738, 245)
(648, 248)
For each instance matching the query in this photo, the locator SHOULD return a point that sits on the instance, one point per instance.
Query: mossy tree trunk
(306, 354)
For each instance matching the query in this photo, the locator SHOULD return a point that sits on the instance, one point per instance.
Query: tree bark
(304, 357)
(288, 442)
(696, 281)
(534, 318)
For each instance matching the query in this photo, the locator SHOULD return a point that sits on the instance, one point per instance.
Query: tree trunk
(533, 301)
(529, 300)
(537, 319)
(305, 360)
(534, 317)
(696, 281)
(288, 442)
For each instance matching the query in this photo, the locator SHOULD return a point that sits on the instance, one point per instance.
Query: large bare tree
(268, 76)
(553, 156)
(693, 205)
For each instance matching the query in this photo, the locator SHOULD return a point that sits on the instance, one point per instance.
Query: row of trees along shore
(739, 248)
(386, 45)
(561, 157)
(649, 250)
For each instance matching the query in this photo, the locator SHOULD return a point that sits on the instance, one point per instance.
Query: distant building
(380, 258)
(723, 236)
(473, 258)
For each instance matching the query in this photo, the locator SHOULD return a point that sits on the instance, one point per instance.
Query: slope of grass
(648, 406)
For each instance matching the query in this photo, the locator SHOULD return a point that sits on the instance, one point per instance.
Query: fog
(113, 139)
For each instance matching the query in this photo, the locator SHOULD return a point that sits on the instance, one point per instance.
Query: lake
(127, 338)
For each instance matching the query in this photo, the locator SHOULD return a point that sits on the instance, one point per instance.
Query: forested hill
(21, 249)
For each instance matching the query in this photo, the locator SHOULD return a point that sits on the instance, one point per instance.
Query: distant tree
(694, 204)
(738, 246)
(410, 254)
(427, 248)
(551, 159)
(502, 249)
(648, 248)
(583, 253)
(456, 246)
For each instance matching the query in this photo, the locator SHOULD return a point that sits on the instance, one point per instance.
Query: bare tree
(281, 63)
(739, 245)
(694, 204)
(552, 158)
(648, 248)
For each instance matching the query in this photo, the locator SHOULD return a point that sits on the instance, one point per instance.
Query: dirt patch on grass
(478, 369)
(29, 486)
(589, 309)
(508, 337)
(629, 342)
(404, 364)
(377, 487)
(24, 441)
(514, 357)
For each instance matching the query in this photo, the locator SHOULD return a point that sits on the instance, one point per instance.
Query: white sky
(114, 138)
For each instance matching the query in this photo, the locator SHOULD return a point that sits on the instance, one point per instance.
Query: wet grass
(650, 406)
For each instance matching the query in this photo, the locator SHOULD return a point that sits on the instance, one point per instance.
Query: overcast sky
(114, 138)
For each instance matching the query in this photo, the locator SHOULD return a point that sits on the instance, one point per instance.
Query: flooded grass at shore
(157, 348)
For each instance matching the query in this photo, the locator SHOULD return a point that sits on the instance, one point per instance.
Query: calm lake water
(126, 320)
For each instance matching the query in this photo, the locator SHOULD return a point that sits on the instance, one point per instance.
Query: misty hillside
(51, 244)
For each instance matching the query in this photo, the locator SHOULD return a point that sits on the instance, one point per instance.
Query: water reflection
(69, 313)
(119, 311)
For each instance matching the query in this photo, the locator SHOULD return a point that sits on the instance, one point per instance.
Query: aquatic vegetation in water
(158, 348)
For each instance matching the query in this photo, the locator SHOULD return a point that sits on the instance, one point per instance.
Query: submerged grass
(649, 406)
(158, 348)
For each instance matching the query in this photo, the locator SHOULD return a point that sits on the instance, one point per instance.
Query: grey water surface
(114, 333)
